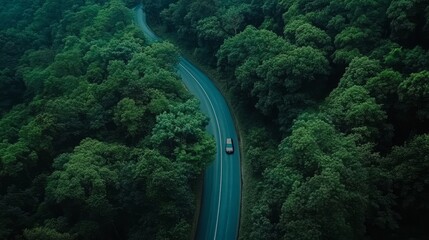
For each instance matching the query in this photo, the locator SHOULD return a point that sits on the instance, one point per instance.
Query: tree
(129, 115)
(155, 6)
(296, 68)
(359, 71)
(384, 88)
(332, 175)
(16, 205)
(353, 110)
(165, 82)
(249, 45)
(199, 10)
(74, 72)
(285, 81)
(210, 33)
(352, 39)
(15, 158)
(68, 63)
(83, 184)
(44, 233)
(407, 61)
(38, 134)
(113, 17)
(261, 149)
(165, 54)
(233, 18)
(415, 92)
(406, 20)
(367, 14)
(13, 89)
(180, 125)
(304, 34)
(168, 191)
(406, 167)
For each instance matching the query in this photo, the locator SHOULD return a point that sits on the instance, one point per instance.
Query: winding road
(220, 205)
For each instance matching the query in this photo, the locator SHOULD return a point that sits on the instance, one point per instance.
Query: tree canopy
(329, 92)
(99, 139)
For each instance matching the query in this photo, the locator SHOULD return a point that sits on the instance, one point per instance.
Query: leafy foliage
(343, 83)
(85, 116)
(330, 78)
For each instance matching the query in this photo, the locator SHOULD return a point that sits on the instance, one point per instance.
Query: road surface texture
(220, 207)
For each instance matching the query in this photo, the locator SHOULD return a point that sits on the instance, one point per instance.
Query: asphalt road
(220, 207)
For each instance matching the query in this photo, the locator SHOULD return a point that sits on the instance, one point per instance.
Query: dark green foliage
(44, 233)
(317, 167)
(406, 174)
(353, 111)
(361, 69)
(261, 150)
(300, 33)
(286, 80)
(407, 21)
(414, 91)
(344, 83)
(12, 89)
(98, 137)
(384, 87)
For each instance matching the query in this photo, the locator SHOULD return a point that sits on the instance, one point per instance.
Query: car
(229, 148)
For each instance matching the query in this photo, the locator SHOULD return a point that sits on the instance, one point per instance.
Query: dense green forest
(100, 140)
(338, 143)
(98, 137)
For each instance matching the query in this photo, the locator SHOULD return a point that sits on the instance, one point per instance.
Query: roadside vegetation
(337, 145)
(98, 137)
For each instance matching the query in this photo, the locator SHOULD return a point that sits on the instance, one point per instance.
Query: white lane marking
(219, 134)
(220, 145)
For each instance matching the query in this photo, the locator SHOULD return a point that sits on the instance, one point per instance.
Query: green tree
(168, 191)
(83, 184)
(249, 46)
(285, 81)
(406, 167)
(407, 60)
(113, 17)
(77, 71)
(406, 19)
(359, 71)
(15, 158)
(233, 18)
(354, 41)
(211, 33)
(44, 233)
(384, 88)
(129, 115)
(414, 91)
(165, 54)
(38, 134)
(68, 63)
(333, 176)
(12, 89)
(180, 125)
(353, 110)
(303, 34)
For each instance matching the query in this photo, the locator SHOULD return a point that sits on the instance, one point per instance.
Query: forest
(100, 140)
(98, 137)
(337, 145)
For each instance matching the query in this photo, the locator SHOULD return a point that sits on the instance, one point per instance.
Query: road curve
(220, 205)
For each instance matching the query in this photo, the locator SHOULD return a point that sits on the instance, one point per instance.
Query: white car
(229, 148)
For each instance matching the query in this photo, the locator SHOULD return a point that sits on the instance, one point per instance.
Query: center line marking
(220, 149)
